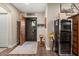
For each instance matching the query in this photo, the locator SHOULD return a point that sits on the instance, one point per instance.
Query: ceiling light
(27, 3)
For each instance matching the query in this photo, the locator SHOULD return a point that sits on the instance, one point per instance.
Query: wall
(40, 20)
(3, 26)
(13, 17)
(52, 14)
(53, 10)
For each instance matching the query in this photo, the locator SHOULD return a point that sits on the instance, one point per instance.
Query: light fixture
(27, 3)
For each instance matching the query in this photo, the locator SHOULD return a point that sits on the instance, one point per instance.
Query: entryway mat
(26, 48)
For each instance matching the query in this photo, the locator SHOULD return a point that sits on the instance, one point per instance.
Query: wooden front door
(31, 29)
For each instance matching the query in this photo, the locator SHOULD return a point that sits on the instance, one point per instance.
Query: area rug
(2, 49)
(26, 48)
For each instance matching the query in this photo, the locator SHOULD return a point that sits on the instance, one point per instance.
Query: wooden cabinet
(75, 48)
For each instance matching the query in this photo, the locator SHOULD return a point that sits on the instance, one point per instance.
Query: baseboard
(3, 44)
(13, 45)
(48, 48)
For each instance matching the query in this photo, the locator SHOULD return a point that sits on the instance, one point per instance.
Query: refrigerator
(63, 37)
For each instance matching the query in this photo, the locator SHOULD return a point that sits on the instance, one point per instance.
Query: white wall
(3, 28)
(52, 14)
(40, 20)
(13, 16)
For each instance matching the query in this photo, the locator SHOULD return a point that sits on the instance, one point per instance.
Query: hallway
(41, 51)
(39, 29)
(55, 24)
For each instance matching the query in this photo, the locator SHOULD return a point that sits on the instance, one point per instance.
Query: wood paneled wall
(22, 30)
(75, 20)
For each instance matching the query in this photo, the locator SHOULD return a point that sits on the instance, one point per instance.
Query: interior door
(3, 30)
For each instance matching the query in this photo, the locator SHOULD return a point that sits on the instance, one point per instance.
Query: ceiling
(30, 7)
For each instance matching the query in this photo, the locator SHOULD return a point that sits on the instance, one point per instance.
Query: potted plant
(51, 40)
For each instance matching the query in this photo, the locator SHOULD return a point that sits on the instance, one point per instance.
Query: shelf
(66, 30)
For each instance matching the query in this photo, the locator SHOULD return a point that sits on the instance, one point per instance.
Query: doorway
(31, 29)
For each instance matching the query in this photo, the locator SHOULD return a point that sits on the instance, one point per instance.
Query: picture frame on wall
(66, 8)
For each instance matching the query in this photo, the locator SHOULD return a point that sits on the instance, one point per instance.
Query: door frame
(22, 37)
